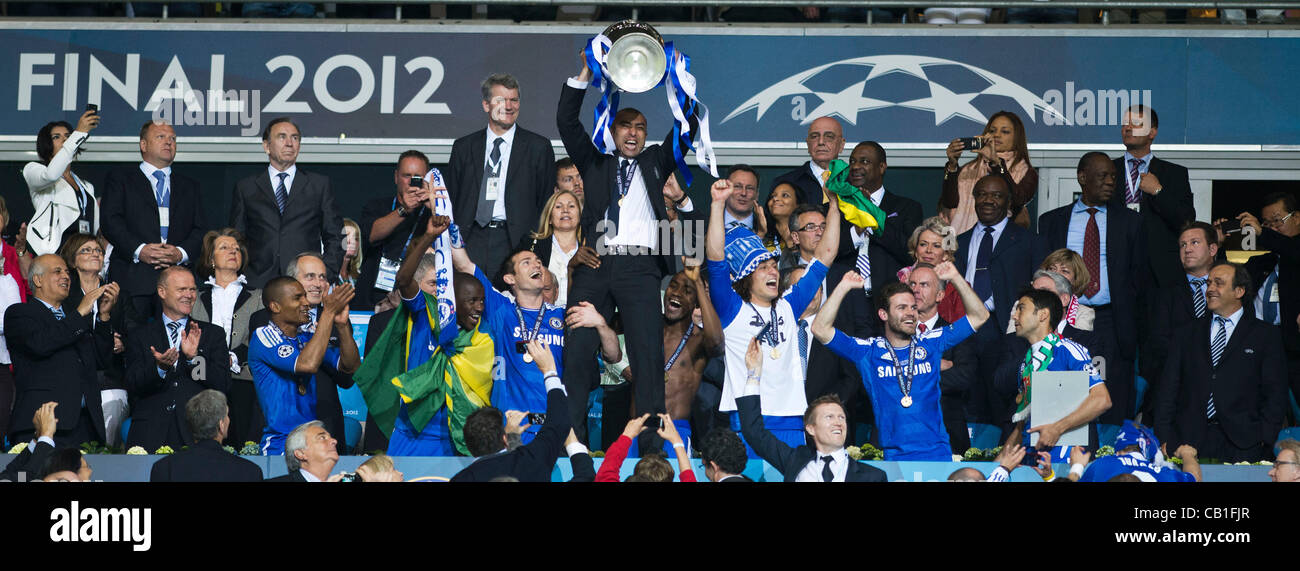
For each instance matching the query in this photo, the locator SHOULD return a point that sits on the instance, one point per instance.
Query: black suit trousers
(631, 283)
(1118, 368)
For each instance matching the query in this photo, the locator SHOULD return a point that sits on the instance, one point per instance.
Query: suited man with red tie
(152, 217)
(1110, 241)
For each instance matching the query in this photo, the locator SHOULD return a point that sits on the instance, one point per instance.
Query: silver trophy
(636, 60)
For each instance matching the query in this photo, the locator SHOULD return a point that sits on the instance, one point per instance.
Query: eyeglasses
(812, 227)
(1282, 462)
(1276, 222)
(88, 251)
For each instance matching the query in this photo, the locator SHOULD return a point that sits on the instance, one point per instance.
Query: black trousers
(1118, 372)
(7, 395)
(487, 247)
(630, 283)
(1215, 444)
(246, 421)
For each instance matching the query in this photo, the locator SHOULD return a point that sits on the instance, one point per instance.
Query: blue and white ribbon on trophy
(445, 291)
(681, 99)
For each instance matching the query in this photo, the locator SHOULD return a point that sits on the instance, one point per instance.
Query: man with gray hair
(310, 454)
(208, 416)
(56, 349)
(498, 178)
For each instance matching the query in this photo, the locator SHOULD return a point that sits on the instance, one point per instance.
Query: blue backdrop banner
(760, 86)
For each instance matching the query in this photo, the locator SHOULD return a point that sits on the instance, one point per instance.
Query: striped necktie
(58, 313)
(281, 193)
(803, 344)
(1134, 178)
(1198, 295)
(172, 329)
(1216, 351)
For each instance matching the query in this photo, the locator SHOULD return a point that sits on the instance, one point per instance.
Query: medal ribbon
(682, 345)
(905, 388)
(523, 331)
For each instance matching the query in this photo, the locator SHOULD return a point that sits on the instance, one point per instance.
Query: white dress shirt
(977, 236)
(499, 208)
(839, 467)
(1230, 325)
(223, 303)
(292, 171)
(560, 267)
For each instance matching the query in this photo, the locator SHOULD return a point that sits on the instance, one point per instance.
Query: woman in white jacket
(64, 203)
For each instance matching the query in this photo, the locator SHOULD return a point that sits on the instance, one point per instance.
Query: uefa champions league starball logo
(946, 104)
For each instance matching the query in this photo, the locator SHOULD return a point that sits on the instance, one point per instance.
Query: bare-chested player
(687, 346)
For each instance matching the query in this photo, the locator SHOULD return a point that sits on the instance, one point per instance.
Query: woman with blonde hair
(935, 242)
(1069, 263)
(350, 270)
(558, 240)
(1004, 152)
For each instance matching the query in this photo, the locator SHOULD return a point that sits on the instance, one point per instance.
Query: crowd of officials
(508, 286)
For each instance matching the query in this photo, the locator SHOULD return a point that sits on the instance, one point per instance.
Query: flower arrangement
(137, 451)
(18, 448)
(250, 449)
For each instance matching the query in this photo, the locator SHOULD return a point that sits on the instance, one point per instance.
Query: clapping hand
(167, 360)
(190, 340)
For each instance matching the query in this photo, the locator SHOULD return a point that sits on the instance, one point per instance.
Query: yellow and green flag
(459, 377)
(856, 208)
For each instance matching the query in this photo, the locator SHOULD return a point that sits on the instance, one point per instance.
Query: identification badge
(83, 226)
(493, 188)
(1135, 206)
(164, 218)
(387, 277)
(1273, 296)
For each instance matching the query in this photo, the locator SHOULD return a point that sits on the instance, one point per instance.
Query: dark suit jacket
(374, 437)
(1249, 385)
(532, 462)
(158, 403)
(1288, 282)
(130, 219)
(1124, 240)
(1016, 255)
(1171, 311)
(888, 251)
(737, 478)
(393, 247)
(1163, 216)
(599, 171)
(807, 187)
(789, 461)
(309, 221)
(56, 361)
(294, 476)
(204, 461)
(328, 381)
(28, 463)
(530, 179)
(584, 470)
(959, 378)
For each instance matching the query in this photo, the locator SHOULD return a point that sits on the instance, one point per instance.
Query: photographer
(1003, 150)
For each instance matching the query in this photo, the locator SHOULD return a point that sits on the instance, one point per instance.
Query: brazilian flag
(856, 208)
(459, 376)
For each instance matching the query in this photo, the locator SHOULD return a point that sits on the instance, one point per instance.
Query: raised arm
(708, 314)
(823, 327)
(336, 304)
(830, 244)
(716, 238)
(405, 279)
(976, 313)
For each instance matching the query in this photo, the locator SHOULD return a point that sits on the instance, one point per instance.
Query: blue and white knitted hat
(744, 251)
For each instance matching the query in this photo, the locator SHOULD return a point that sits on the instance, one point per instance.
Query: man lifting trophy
(624, 205)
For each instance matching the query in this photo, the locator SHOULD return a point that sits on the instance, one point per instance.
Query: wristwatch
(403, 212)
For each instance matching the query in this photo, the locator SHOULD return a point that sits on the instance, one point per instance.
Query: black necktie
(623, 182)
(491, 169)
(827, 474)
(983, 285)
